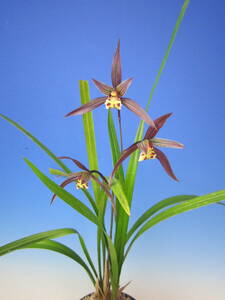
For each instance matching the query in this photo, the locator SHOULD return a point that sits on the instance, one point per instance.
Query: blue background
(46, 47)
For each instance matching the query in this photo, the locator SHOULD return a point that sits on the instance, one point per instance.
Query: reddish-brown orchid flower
(81, 178)
(148, 147)
(114, 94)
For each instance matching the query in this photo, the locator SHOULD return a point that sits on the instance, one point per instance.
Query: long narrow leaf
(115, 149)
(122, 223)
(85, 250)
(221, 203)
(101, 245)
(36, 141)
(165, 58)
(63, 194)
(114, 265)
(44, 148)
(57, 172)
(99, 251)
(155, 208)
(51, 234)
(114, 144)
(191, 204)
(118, 191)
(91, 200)
(61, 248)
(132, 166)
(89, 133)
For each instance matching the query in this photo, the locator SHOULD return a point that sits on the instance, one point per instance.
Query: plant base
(91, 297)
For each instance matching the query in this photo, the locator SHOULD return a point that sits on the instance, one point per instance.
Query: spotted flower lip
(148, 149)
(114, 94)
(82, 178)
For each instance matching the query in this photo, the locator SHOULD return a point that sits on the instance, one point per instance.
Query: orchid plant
(114, 192)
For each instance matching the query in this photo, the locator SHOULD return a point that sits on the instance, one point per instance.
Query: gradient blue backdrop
(46, 47)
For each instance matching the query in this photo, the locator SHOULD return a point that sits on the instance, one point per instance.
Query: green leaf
(132, 166)
(191, 204)
(57, 172)
(155, 208)
(60, 248)
(165, 58)
(52, 234)
(101, 246)
(63, 194)
(114, 265)
(114, 145)
(122, 223)
(85, 250)
(118, 191)
(45, 149)
(89, 133)
(36, 141)
(41, 241)
(91, 200)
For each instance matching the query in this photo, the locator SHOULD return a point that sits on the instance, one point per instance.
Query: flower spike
(148, 149)
(114, 94)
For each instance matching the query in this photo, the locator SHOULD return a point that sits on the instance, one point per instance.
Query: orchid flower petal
(143, 146)
(63, 184)
(166, 143)
(165, 163)
(116, 68)
(77, 162)
(123, 86)
(159, 122)
(138, 110)
(87, 107)
(123, 156)
(104, 88)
